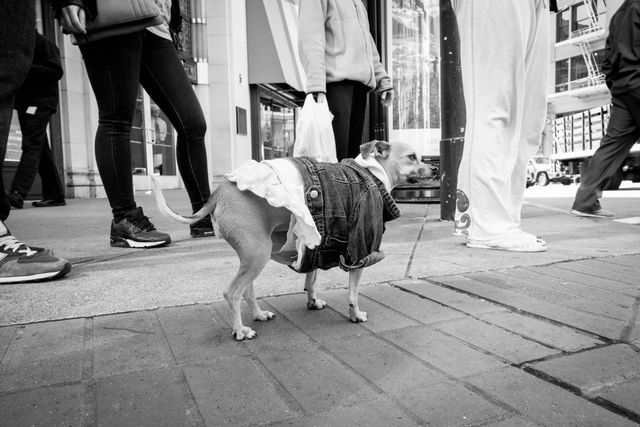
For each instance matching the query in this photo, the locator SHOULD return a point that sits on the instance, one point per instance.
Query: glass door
(415, 61)
(153, 142)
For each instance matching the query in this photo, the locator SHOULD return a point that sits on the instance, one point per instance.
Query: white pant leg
(535, 106)
(497, 39)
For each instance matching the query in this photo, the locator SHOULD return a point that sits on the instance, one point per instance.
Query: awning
(272, 38)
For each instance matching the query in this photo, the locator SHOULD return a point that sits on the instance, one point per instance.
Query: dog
(249, 224)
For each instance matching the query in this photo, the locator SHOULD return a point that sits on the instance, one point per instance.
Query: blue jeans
(115, 67)
(17, 40)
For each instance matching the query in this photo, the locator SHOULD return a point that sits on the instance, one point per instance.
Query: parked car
(542, 171)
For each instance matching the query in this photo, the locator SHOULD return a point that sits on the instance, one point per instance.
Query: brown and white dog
(250, 233)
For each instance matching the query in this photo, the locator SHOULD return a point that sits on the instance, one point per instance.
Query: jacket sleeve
(383, 81)
(46, 60)
(311, 42)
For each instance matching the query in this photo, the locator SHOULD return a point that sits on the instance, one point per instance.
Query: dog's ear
(375, 148)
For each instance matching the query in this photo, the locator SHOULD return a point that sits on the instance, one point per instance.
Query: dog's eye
(412, 157)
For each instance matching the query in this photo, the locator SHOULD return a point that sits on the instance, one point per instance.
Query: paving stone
(610, 264)
(45, 407)
(127, 343)
(275, 334)
(152, 398)
(6, 336)
(411, 305)
(542, 402)
(380, 318)
(530, 278)
(321, 325)
(315, 379)
(595, 370)
(513, 422)
(379, 413)
(584, 279)
(44, 354)
(502, 281)
(554, 336)
(236, 392)
(382, 364)
(496, 340)
(600, 308)
(450, 404)
(608, 328)
(453, 299)
(586, 267)
(194, 334)
(625, 395)
(443, 352)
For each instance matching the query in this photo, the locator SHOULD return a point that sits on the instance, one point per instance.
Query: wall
(228, 84)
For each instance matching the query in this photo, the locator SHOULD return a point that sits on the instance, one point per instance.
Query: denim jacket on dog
(349, 206)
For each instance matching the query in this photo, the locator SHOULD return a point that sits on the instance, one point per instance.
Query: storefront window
(415, 67)
(152, 129)
(277, 128)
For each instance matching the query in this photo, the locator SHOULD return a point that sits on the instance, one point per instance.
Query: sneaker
(21, 263)
(15, 199)
(136, 231)
(48, 203)
(202, 228)
(600, 213)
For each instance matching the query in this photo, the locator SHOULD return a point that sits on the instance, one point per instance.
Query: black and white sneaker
(202, 228)
(136, 231)
(21, 263)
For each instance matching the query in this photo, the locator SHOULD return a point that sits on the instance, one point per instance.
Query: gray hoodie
(335, 45)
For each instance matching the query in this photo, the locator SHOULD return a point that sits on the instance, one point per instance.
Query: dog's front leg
(354, 312)
(313, 303)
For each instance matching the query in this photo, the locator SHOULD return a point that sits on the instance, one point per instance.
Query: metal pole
(452, 110)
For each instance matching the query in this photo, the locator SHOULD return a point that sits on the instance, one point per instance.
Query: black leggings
(115, 67)
(347, 102)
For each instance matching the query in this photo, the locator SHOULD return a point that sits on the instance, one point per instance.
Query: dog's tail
(165, 210)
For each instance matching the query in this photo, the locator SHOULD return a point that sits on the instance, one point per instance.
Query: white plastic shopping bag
(314, 134)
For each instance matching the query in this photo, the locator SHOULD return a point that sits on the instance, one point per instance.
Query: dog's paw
(244, 333)
(316, 304)
(357, 316)
(263, 316)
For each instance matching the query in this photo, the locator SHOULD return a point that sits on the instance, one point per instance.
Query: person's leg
(19, 262)
(52, 186)
(622, 132)
(534, 105)
(163, 77)
(340, 100)
(17, 39)
(356, 123)
(34, 138)
(113, 67)
(493, 43)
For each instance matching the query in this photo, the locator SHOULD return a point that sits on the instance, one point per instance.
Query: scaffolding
(582, 38)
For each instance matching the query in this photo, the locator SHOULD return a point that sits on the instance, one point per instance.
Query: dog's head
(399, 160)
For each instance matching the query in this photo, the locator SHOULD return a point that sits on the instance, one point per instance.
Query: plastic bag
(314, 134)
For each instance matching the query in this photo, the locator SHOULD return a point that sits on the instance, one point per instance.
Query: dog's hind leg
(251, 264)
(313, 303)
(259, 314)
(354, 312)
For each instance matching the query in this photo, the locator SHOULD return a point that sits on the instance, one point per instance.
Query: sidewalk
(455, 336)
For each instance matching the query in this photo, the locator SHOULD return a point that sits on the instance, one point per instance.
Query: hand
(73, 19)
(387, 98)
(322, 98)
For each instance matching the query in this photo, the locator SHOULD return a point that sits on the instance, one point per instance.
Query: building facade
(242, 59)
